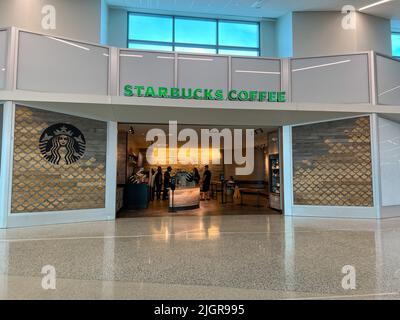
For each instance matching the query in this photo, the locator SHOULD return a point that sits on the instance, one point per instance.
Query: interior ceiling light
(259, 72)
(390, 90)
(131, 55)
(195, 59)
(258, 4)
(68, 43)
(374, 4)
(321, 65)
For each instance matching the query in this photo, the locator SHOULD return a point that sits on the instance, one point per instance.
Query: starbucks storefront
(60, 128)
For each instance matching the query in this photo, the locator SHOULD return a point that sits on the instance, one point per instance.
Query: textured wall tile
(40, 185)
(332, 163)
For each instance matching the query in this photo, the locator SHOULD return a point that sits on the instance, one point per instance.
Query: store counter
(184, 199)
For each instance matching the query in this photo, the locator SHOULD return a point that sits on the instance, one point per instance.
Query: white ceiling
(268, 8)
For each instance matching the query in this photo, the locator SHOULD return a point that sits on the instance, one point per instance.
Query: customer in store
(230, 185)
(167, 182)
(205, 192)
(158, 180)
(230, 182)
(196, 176)
(152, 178)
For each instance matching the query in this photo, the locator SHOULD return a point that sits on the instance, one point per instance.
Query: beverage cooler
(274, 182)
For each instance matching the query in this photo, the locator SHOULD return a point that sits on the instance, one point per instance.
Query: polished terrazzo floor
(203, 257)
(159, 208)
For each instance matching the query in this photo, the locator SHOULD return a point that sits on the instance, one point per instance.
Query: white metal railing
(3, 57)
(37, 62)
(52, 64)
(331, 79)
(387, 80)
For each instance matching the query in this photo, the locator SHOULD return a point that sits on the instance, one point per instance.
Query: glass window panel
(150, 28)
(238, 34)
(196, 50)
(195, 31)
(396, 44)
(149, 46)
(155, 32)
(232, 52)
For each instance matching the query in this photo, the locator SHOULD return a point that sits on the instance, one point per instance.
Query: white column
(287, 170)
(375, 159)
(6, 162)
(373, 90)
(111, 169)
(5, 183)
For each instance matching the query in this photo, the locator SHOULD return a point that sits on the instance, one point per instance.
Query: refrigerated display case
(274, 182)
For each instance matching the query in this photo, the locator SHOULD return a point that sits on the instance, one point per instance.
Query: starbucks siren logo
(62, 143)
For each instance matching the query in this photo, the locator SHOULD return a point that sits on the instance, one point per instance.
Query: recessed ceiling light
(374, 4)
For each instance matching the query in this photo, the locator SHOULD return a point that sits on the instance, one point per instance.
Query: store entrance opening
(177, 169)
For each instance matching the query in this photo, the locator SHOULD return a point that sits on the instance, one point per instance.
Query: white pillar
(376, 170)
(287, 170)
(111, 169)
(6, 162)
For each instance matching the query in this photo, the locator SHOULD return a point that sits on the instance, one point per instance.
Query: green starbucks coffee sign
(204, 94)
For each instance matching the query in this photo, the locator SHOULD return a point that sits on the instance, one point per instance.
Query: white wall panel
(48, 64)
(3, 58)
(256, 74)
(203, 72)
(389, 145)
(336, 79)
(146, 69)
(388, 80)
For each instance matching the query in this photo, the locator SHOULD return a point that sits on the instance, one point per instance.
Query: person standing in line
(196, 176)
(206, 184)
(158, 180)
(167, 182)
(152, 179)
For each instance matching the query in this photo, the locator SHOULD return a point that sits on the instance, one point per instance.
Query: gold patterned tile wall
(332, 163)
(59, 162)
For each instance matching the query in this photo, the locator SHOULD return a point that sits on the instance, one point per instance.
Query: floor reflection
(208, 228)
(228, 257)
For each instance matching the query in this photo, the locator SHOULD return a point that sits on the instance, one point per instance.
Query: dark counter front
(184, 199)
(136, 196)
